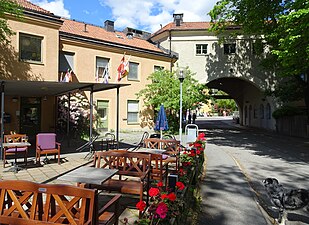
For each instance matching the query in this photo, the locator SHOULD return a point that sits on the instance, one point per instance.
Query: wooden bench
(13, 138)
(171, 146)
(133, 175)
(27, 203)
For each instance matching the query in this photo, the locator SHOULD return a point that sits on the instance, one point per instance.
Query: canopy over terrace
(50, 88)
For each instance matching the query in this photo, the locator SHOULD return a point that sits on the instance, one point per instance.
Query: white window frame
(26, 42)
(130, 75)
(133, 108)
(102, 69)
(199, 49)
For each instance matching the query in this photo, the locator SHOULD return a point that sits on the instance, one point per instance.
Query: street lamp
(181, 77)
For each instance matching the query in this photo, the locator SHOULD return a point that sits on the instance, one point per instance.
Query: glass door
(30, 116)
(102, 109)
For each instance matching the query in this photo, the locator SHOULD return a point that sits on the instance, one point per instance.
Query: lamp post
(181, 78)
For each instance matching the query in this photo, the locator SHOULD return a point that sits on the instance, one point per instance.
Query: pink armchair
(46, 144)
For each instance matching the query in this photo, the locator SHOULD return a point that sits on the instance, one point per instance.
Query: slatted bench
(28, 203)
(133, 175)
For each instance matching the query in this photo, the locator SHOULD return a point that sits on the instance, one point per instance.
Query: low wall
(293, 126)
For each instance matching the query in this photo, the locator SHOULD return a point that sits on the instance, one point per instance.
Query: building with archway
(231, 65)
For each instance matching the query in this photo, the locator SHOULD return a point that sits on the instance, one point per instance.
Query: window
(262, 111)
(30, 48)
(255, 112)
(102, 110)
(133, 71)
(102, 70)
(201, 49)
(229, 49)
(66, 61)
(158, 68)
(268, 111)
(132, 116)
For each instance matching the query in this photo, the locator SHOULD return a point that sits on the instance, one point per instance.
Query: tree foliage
(284, 25)
(164, 89)
(7, 7)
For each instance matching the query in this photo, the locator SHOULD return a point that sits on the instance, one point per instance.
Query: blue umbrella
(161, 122)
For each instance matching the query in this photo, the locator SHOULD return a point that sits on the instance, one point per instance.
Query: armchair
(46, 144)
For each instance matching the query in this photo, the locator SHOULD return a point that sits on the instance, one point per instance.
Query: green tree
(284, 25)
(8, 8)
(229, 105)
(164, 89)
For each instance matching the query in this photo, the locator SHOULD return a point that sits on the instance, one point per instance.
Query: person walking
(194, 117)
(189, 118)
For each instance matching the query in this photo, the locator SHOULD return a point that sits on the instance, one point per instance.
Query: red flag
(123, 68)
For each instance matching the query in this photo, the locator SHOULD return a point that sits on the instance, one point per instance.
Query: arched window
(268, 111)
(262, 111)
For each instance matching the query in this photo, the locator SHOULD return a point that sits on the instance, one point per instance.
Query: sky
(146, 15)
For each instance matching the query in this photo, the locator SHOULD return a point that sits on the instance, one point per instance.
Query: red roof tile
(100, 34)
(28, 5)
(184, 26)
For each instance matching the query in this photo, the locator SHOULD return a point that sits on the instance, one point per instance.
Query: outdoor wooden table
(15, 145)
(89, 175)
(151, 150)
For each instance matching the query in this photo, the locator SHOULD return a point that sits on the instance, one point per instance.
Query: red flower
(141, 205)
(154, 192)
(162, 210)
(171, 196)
(180, 185)
(160, 184)
(198, 152)
(164, 196)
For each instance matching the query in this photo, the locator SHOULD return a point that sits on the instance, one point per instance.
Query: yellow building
(46, 46)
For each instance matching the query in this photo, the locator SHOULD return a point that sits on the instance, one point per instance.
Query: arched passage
(247, 96)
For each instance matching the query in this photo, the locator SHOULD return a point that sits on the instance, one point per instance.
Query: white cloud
(56, 7)
(149, 14)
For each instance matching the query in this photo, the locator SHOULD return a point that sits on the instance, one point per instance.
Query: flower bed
(168, 207)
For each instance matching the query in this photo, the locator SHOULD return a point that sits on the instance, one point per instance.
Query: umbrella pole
(161, 137)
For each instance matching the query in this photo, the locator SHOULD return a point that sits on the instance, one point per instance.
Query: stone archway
(247, 95)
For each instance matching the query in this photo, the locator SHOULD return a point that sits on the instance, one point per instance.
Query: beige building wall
(85, 70)
(14, 69)
(48, 69)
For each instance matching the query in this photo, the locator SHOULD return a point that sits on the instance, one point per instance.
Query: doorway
(102, 109)
(30, 116)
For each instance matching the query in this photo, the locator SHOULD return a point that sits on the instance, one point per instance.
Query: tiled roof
(100, 34)
(28, 5)
(184, 26)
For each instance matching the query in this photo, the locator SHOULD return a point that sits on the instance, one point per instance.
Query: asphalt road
(238, 159)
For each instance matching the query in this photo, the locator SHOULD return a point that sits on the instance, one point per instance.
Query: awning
(52, 88)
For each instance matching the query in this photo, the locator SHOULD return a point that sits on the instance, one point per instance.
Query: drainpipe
(170, 50)
(2, 120)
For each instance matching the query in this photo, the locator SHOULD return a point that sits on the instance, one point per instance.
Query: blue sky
(140, 14)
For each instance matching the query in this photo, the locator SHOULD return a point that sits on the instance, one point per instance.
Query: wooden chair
(27, 203)
(46, 144)
(171, 146)
(10, 138)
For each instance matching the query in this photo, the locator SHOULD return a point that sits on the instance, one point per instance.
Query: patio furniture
(15, 144)
(141, 142)
(108, 142)
(25, 202)
(171, 146)
(133, 174)
(46, 144)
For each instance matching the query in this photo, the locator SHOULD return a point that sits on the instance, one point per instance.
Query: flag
(123, 68)
(68, 76)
